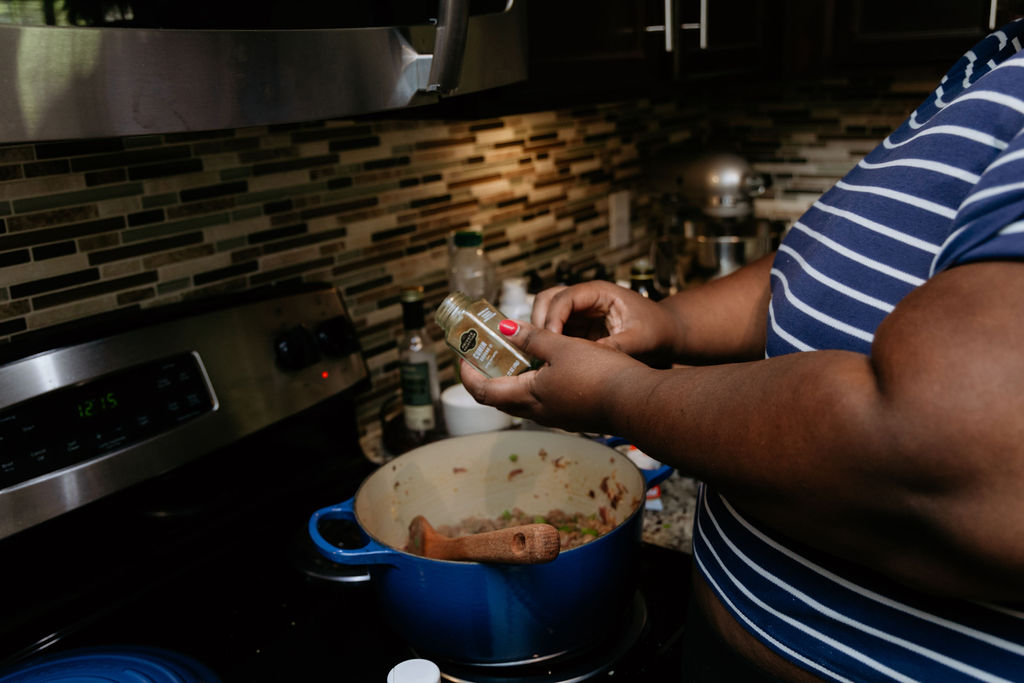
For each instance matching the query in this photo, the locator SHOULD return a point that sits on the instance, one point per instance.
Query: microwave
(96, 68)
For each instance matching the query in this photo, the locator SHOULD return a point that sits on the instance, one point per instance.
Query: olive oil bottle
(421, 392)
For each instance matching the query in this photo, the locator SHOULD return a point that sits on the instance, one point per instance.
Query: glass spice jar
(471, 330)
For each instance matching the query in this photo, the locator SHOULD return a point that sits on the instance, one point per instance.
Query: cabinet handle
(992, 15)
(704, 24)
(670, 22)
(449, 46)
(700, 26)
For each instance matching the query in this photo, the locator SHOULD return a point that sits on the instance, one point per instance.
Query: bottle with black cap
(641, 280)
(421, 389)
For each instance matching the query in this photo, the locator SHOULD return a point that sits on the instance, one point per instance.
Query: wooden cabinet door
(909, 32)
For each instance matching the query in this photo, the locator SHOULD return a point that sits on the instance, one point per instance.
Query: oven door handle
(371, 553)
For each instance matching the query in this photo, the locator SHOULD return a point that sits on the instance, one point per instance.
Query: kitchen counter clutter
(672, 526)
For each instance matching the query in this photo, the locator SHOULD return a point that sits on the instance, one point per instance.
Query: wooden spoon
(526, 544)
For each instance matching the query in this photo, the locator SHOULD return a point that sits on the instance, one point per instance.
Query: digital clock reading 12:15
(96, 405)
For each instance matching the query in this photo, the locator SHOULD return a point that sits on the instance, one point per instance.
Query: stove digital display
(73, 424)
(94, 406)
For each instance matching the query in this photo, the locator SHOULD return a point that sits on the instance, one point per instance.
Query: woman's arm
(911, 460)
(723, 320)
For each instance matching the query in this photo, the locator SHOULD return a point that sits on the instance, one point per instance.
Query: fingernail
(508, 327)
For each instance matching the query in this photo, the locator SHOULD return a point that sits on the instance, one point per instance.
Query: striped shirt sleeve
(989, 224)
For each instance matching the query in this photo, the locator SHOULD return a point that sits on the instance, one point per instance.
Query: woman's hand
(576, 388)
(610, 315)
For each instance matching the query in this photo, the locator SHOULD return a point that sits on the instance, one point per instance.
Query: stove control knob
(337, 336)
(296, 348)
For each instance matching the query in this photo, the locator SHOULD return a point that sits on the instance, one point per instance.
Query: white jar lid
(415, 671)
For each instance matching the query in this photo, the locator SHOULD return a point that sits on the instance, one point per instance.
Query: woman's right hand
(609, 314)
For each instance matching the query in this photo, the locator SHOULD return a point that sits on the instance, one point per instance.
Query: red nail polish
(508, 327)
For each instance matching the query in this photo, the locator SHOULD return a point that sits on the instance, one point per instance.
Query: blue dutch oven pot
(494, 613)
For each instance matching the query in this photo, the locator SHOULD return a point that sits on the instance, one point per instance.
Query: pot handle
(654, 477)
(651, 477)
(371, 553)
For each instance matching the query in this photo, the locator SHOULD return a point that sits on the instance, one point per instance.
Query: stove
(157, 473)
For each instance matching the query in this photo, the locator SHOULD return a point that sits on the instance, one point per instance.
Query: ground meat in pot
(573, 529)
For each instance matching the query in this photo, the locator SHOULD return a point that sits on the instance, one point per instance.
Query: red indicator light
(324, 374)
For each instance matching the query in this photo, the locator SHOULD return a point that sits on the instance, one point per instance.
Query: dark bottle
(417, 366)
(641, 280)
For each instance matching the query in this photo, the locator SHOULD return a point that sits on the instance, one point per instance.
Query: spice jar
(471, 330)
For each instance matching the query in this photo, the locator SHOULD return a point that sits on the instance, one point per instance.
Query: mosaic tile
(185, 257)
(145, 217)
(118, 207)
(370, 204)
(227, 272)
(87, 310)
(77, 197)
(173, 227)
(129, 159)
(120, 268)
(166, 199)
(53, 250)
(11, 258)
(198, 208)
(8, 327)
(102, 241)
(45, 168)
(288, 271)
(46, 284)
(92, 290)
(70, 148)
(141, 248)
(170, 168)
(14, 309)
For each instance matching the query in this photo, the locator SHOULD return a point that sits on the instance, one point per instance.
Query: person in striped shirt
(853, 403)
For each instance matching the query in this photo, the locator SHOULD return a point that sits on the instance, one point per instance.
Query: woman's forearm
(910, 457)
(723, 320)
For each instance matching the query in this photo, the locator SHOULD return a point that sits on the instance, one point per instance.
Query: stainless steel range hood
(64, 82)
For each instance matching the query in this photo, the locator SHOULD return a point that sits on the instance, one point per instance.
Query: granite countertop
(672, 526)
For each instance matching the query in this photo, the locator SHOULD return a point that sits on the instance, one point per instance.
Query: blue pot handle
(651, 477)
(371, 553)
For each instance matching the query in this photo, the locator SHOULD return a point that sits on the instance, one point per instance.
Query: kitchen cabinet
(923, 32)
(614, 46)
(582, 51)
(843, 36)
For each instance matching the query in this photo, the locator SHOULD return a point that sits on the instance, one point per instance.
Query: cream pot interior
(487, 474)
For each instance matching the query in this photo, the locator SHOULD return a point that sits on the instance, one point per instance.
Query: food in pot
(574, 529)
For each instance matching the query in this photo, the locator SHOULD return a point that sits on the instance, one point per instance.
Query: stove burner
(110, 665)
(582, 665)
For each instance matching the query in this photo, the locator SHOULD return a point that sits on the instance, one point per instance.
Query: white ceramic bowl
(463, 415)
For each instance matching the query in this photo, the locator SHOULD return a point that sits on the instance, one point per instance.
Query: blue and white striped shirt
(944, 189)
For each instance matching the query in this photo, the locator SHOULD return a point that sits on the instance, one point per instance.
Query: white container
(515, 302)
(415, 671)
(463, 415)
(470, 271)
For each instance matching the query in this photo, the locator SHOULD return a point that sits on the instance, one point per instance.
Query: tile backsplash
(92, 226)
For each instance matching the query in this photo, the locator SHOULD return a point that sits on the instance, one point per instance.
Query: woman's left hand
(575, 389)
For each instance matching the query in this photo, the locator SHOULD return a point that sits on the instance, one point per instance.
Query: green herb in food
(588, 530)
(539, 520)
(506, 515)
(513, 457)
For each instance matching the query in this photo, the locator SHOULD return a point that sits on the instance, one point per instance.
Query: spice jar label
(467, 341)
(471, 330)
